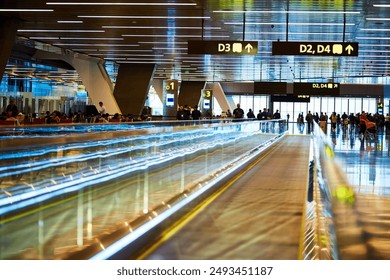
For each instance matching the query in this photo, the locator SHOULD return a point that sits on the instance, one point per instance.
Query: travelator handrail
(332, 227)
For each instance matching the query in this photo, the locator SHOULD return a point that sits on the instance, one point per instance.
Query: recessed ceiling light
(159, 27)
(69, 21)
(160, 36)
(290, 23)
(287, 12)
(148, 17)
(97, 45)
(44, 38)
(373, 38)
(88, 38)
(59, 31)
(387, 19)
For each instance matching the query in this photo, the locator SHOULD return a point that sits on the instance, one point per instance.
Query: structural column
(132, 86)
(8, 29)
(93, 75)
(190, 92)
(220, 96)
(158, 86)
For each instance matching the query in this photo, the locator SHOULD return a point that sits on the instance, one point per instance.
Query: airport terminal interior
(195, 130)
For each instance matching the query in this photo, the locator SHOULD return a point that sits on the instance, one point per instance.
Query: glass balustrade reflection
(58, 199)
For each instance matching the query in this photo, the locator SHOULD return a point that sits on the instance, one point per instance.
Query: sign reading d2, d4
(315, 48)
(223, 47)
(316, 89)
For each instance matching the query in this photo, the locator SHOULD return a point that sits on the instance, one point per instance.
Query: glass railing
(72, 194)
(332, 227)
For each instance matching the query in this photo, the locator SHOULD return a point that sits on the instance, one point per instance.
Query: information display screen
(170, 100)
(206, 104)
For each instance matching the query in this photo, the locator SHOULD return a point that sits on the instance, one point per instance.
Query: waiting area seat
(3, 122)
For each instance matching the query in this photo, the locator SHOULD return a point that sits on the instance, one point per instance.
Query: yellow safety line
(177, 226)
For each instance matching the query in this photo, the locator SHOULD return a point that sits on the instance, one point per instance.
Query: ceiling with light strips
(158, 32)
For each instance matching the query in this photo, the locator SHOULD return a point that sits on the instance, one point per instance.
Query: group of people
(19, 118)
(266, 114)
(188, 113)
(361, 120)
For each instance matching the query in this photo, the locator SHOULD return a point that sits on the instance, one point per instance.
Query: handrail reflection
(89, 215)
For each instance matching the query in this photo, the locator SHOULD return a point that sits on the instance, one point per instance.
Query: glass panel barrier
(333, 230)
(66, 189)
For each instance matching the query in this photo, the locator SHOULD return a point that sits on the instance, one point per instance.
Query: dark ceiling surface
(159, 31)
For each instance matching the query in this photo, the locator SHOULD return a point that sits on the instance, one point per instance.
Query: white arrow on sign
(349, 49)
(249, 48)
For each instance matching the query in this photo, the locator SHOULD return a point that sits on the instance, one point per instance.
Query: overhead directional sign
(318, 89)
(290, 98)
(223, 47)
(315, 48)
(270, 88)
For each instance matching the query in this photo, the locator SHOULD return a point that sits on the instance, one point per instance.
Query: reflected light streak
(82, 180)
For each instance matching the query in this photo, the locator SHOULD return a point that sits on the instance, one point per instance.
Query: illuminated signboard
(315, 48)
(206, 104)
(290, 98)
(207, 93)
(170, 102)
(270, 88)
(380, 108)
(316, 89)
(223, 47)
(171, 86)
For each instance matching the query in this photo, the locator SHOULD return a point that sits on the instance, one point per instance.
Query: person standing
(102, 109)
(12, 109)
(196, 114)
(250, 114)
(309, 120)
(238, 113)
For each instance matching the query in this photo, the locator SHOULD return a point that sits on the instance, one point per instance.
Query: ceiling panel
(158, 32)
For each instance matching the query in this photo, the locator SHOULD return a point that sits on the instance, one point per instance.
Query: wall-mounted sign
(380, 108)
(315, 48)
(207, 93)
(223, 47)
(171, 86)
(170, 102)
(318, 89)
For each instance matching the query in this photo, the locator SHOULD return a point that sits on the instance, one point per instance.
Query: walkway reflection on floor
(365, 160)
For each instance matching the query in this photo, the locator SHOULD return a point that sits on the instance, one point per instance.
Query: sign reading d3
(223, 47)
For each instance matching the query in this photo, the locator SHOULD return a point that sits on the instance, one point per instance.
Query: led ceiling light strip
(159, 27)
(147, 17)
(118, 4)
(26, 10)
(288, 12)
(61, 30)
(290, 23)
